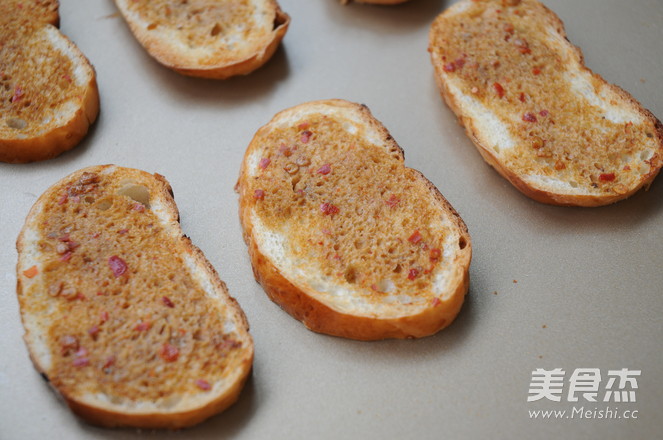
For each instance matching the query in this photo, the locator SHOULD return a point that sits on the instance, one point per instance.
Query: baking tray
(551, 287)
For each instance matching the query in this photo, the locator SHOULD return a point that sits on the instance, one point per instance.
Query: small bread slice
(558, 132)
(48, 88)
(342, 235)
(122, 313)
(207, 38)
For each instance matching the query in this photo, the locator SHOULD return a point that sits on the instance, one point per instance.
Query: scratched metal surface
(588, 290)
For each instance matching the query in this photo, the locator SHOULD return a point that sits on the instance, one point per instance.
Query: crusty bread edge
(62, 138)
(321, 318)
(159, 50)
(154, 420)
(542, 196)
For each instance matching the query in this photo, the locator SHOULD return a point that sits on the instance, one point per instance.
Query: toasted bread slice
(342, 235)
(558, 132)
(48, 88)
(122, 314)
(207, 38)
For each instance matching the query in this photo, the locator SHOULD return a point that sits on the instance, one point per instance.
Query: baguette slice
(48, 88)
(342, 235)
(558, 132)
(207, 38)
(122, 314)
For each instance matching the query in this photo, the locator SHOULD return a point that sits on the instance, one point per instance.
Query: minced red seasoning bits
(529, 117)
(117, 265)
(329, 209)
(169, 353)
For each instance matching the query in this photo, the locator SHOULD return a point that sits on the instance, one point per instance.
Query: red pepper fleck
(259, 194)
(544, 113)
(63, 199)
(169, 353)
(415, 237)
(325, 169)
(499, 89)
(607, 177)
(143, 326)
(460, 62)
(508, 27)
(529, 117)
(627, 168)
(117, 265)
(167, 302)
(103, 317)
(203, 384)
(329, 209)
(80, 296)
(92, 331)
(536, 71)
(306, 136)
(522, 97)
(68, 343)
(522, 45)
(18, 94)
(81, 362)
(283, 149)
(435, 254)
(31, 272)
(264, 162)
(66, 256)
(303, 126)
(414, 273)
(436, 302)
(392, 201)
(110, 361)
(138, 207)
(449, 67)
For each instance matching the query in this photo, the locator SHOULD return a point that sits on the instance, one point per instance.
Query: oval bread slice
(342, 235)
(48, 88)
(207, 38)
(558, 132)
(122, 313)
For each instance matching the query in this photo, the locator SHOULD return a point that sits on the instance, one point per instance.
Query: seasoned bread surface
(122, 314)
(341, 234)
(207, 38)
(48, 87)
(560, 133)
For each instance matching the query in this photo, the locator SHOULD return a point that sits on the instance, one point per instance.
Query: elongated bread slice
(207, 38)
(558, 132)
(48, 88)
(342, 235)
(122, 313)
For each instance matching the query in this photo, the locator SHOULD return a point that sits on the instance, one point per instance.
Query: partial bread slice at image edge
(57, 126)
(212, 59)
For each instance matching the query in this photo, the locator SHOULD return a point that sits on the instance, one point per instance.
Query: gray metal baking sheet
(551, 287)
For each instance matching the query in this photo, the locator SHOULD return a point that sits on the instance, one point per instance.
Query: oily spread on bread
(123, 315)
(560, 133)
(341, 234)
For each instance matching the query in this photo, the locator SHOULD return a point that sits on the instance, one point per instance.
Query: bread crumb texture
(345, 208)
(132, 323)
(564, 124)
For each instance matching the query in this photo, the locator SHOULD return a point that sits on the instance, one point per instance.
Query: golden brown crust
(87, 406)
(222, 68)
(482, 139)
(323, 318)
